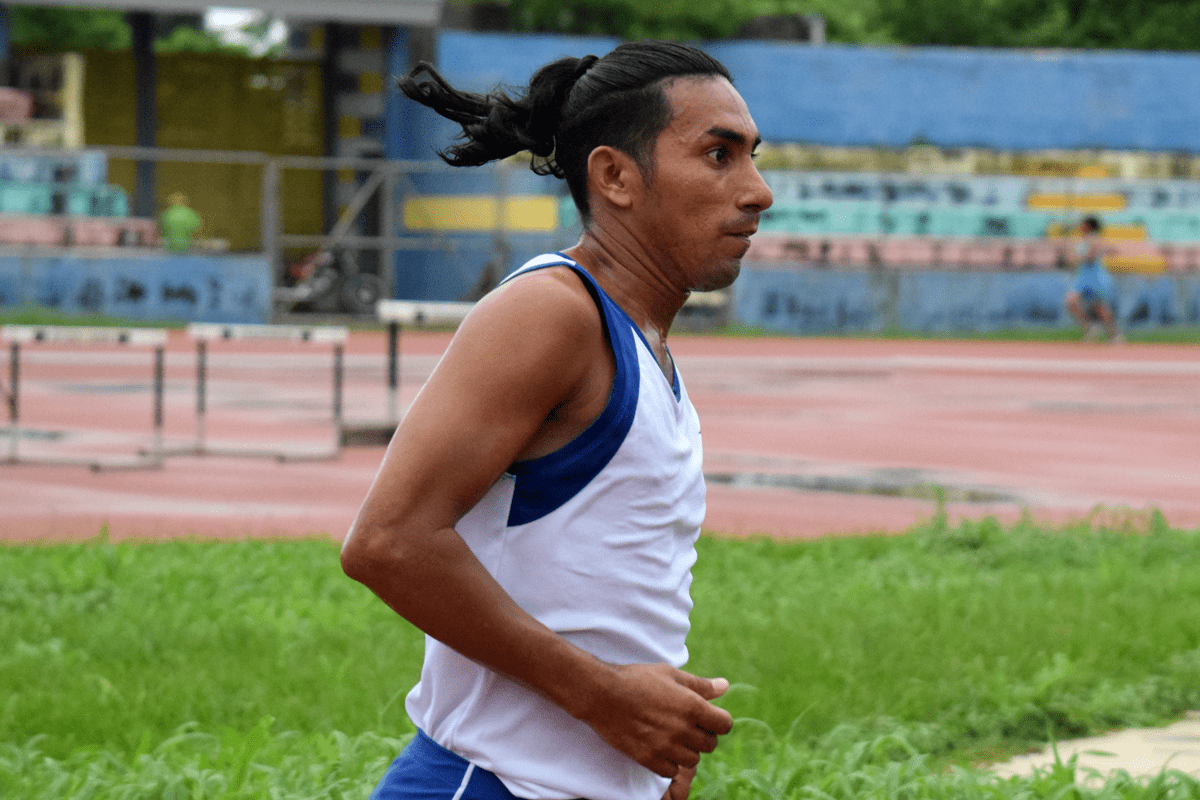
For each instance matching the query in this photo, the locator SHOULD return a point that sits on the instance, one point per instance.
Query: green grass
(33, 314)
(111, 642)
(994, 637)
(863, 667)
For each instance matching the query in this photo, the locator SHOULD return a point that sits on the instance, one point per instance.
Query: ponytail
(495, 125)
(571, 107)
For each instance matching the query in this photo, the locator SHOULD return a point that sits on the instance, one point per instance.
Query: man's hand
(661, 716)
(681, 784)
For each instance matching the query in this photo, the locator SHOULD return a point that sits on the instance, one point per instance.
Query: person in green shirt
(178, 224)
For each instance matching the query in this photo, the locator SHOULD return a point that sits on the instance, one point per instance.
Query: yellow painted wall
(528, 213)
(217, 102)
(1076, 202)
(1140, 263)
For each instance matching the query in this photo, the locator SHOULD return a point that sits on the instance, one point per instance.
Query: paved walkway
(1141, 752)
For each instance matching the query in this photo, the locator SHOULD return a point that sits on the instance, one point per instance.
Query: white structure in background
(257, 31)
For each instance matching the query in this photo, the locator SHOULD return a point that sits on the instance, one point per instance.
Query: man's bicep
(460, 435)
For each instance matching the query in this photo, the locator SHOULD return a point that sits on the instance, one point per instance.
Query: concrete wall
(781, 298)
(187, 288)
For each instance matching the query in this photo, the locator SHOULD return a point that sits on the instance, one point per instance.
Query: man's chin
(721, 279)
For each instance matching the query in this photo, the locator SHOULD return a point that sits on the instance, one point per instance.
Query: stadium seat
(19, 197)
(31, 230)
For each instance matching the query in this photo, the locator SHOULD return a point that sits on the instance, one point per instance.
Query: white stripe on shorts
(462, 787)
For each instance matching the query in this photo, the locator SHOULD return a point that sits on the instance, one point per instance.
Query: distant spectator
(178, 224)
(1090, 298)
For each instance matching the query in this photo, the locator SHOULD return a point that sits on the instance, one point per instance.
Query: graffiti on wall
(235, 289)
(817, 301)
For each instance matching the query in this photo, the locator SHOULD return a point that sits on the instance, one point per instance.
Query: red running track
(803, 437)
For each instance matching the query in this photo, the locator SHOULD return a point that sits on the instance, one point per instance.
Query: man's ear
(614, 176)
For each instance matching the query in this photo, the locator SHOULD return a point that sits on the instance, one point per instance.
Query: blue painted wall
(823, 301)
(189, 288)
(893, 96)
(1008, 99)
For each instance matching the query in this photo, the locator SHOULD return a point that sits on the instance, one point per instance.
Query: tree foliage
(68, 28)
(1107, 24)
(1086, 24)
(682, 19)
(59, 29)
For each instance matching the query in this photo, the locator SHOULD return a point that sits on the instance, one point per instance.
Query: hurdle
(18, 335)
(203, 333)
(397, 313)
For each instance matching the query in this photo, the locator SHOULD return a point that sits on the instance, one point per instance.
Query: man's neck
(634, 283)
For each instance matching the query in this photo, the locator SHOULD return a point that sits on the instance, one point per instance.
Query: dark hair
(571, 107)
(1092, 224)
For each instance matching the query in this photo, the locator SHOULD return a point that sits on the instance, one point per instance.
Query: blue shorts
(1094, 285)
(425, 770)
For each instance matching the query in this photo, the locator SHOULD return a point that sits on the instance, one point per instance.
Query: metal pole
(337, 390)
(387, 211)
(269, 221)
(201, 392)
(14, 381)
(500, 248)
(158, 400)
(393, 370)
(141, 24)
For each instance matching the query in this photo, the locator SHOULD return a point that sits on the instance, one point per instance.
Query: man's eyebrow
(731, 135)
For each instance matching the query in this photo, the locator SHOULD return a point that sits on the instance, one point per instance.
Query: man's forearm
(443, 589)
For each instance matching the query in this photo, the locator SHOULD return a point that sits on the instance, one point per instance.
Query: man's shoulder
(545, 288)
(551, 302)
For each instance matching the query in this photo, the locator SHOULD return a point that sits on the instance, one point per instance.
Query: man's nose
(757, 194)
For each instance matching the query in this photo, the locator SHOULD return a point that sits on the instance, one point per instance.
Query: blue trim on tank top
(545, 483)
(674, 372)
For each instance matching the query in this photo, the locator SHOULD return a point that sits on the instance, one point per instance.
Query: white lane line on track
(947, 363)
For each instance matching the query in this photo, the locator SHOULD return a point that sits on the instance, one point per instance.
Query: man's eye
(720, 154)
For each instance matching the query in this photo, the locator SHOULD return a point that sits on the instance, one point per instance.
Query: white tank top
(596, 541)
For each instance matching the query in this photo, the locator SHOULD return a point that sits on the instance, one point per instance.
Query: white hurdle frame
(204, 332)
(17, 335)
(397, 313)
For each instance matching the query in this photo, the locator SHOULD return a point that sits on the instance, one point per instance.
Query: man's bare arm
(532, 351)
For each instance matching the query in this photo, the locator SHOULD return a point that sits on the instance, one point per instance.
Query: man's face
(703, 193)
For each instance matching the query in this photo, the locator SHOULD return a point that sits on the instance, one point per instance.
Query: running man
(1091, 295)
(537, 510)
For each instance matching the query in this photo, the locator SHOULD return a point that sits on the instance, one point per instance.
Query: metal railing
(385, 177)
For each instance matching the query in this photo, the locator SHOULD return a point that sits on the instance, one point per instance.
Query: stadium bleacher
(62, 198)
(972, 222)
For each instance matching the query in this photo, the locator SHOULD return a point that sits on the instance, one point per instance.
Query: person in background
(178, 224)
(537, 511)
(1090, 298)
